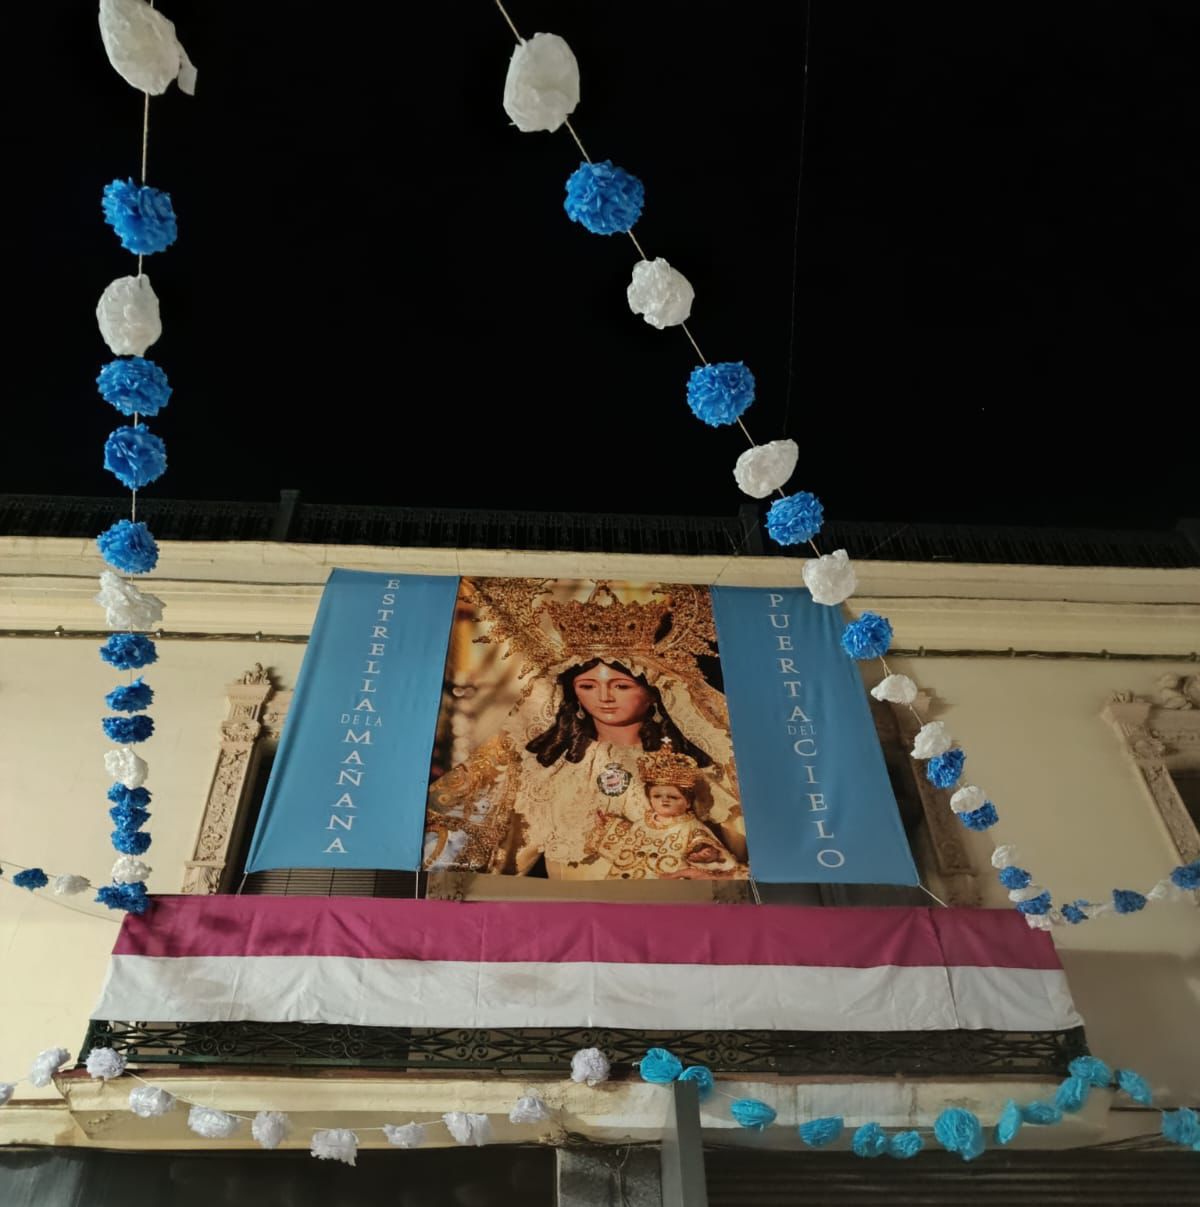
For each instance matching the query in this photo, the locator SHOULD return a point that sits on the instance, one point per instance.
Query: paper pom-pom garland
(795, 519)
(958, 1131)
(967, 799)
(1004, 855)
(1009, 1123)
(720, 394)
(134, 385)
(143, 48)
(905, 1145)
(589, 1065)
(1187, 876)
(135, 456)
(125, 766)
(31, 878)
(817, 1133)
(895, 689)
(468, 1128)
(127, 730)
(131, 842)
(128, 316)
(604, 199)
(143, 218)
(1182, 1127)
(660, 1067)
(1091, 1069)
(1126, 901)
(867, 637)
(105, 1064)
(130, 697)
(1071, 1095)
(529, 1108)
(541, 88)
(211, 1124)
(70, 886)
(6, 1092)
(270, 1128)
(126, 606)
(149, 1102)
(831, 580)
(944, 770)
(128, 870)
(1041, 1114)
(46, 1064)
(1136, 1086)
(932, 739)
(752, 1113)
(129, 547)
(982, 818)
(407, 1135)
(128, 651)
(765, 468)
(132, 898)
(662, 295)
(870, 1140)
(701, 1076)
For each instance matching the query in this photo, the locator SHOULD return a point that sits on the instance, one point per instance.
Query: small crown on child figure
(664, 766)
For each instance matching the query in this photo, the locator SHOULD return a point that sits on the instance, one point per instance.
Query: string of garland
(541, 91)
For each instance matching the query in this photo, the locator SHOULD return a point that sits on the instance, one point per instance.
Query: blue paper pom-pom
(128, 651)
(870, 1140)
(701, 1076)
(1092, 1070)
(132, 798)
(143, 218)
(1036, 905)
(719, 394)
(943, 770)
(1074, 912)
(795, 519)
(31, 878)
(131, 842)
(867, 637)
(127, 730)
(134, 385)
(982, 818)
(129, 817)
(128, 547)
(1126, 901)
(604, 199)
(958, 1131)
(1181, 1126)
(1187, 876)
(1014, 877)
(130, 897)
(660, 1066)
(130, 697)
(1009, 1123)
(1044, 1114)
(750, 1112)
(905, 1145)
(1072, 1094)
(135, 456)
(817, 1133)
(1135, 1086)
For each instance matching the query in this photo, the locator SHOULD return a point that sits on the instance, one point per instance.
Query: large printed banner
(580, 730)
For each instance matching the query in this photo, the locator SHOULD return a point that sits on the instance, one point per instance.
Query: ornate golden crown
(605, 630)
(665, 766)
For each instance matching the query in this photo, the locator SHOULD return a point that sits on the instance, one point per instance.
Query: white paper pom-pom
(931, 740)
(270, 1128)
(407, 1135)
(590, 1065)
(128, 316)
(967, 799)
(1039, 921)
(830, 579)
(529, 1109)
(1005, 855)
(148, 1101)
(105, 1064)
(46, 1064)
(211, 1124)
(6, 1092)
(143, 48)
(125, 607)
(1025, 894)
(68, 885)
(662, 295)
(125, 766)
(895, 689)
(541, 89)
(128, 870)
(335, 1144)
(467, 1128)
(765, 468)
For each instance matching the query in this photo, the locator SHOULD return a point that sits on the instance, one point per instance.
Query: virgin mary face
(612, 697)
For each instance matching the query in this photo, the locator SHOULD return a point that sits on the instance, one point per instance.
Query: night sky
(376, 296)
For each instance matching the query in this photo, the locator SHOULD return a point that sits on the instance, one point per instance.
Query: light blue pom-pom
(982, 818)
(131, 842)
(958, 1131)
(1187, 875)
(751, 1113)
(1014, 877)
(134, 798)
(867, 637)
(130, 697)
(1071, 1095)
(135, 456)
(718, 394)
(1009, 1123)
(128, 547)
(134, 385)
(701, 1076)
(130, 897)
(605, 199)
(660, 1066)
(905, 1145)
(1135, 1086)
(129, 817)
(870, 1140)
(1092, 1070)
(31, 878)
(1044, 1114)
(128, 651)
(1181, 1127)
(943, 770)
(817, 1133)
(127, 730)
(1074, 912)
(142, 217)
(1036, 905)
(1126, 901)
(795, 519)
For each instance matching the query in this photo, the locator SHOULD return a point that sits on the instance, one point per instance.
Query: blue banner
(349, 782)
(816, 798)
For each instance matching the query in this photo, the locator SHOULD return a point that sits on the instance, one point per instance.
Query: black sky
(376, 296)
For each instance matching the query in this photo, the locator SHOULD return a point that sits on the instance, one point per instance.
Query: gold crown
(606, 630)
(664, 766)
